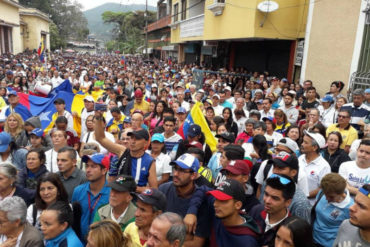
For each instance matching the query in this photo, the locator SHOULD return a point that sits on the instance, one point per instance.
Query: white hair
(15, 208)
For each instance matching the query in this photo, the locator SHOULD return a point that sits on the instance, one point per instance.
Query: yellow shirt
(348, 135)
(143, 106)
(132, 233)
(2, 103)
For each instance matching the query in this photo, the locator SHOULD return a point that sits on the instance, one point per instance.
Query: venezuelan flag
(41, 50)
(196, 117)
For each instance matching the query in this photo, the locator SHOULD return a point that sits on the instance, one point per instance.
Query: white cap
(89, 98)
(289, 143)
(320, 140)
(228, 88)
(154, 85)
(216, 95)
(292, 92)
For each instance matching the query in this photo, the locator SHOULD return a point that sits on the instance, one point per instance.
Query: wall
(9, 13)
(35, 25)
(331, 44)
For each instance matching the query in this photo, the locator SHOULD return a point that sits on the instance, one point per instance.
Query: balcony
(192, 27)
(161, 23)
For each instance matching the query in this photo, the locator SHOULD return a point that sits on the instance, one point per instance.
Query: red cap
(237, 167)
(138, 93)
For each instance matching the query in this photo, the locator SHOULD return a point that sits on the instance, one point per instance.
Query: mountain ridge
(96, 25)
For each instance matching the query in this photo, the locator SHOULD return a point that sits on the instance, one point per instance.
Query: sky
(89, 4)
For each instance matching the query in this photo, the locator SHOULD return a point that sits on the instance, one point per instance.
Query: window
(220, 1)
(175, 12)
(183, 9)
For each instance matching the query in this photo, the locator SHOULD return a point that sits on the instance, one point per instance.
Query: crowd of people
(289, 168)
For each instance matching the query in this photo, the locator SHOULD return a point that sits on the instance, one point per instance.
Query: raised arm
(102, 139)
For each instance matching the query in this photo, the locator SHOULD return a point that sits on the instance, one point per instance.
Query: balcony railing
(192, 27)
(161, 23)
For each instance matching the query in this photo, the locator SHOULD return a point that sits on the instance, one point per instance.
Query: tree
(67, 17)
(55, 40)
(129, 28)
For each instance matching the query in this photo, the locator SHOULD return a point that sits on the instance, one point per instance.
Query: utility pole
(146, 30)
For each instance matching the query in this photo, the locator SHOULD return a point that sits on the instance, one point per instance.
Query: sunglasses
(282, 180)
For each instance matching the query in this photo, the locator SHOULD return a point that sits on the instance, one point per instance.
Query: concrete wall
(35, 25)
(9, 13)
(331, 42)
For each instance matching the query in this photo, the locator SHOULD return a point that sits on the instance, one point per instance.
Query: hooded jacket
(23, 139)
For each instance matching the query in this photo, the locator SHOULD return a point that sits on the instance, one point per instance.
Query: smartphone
(101, 107)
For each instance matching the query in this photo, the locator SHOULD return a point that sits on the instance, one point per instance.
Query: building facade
(22, 28)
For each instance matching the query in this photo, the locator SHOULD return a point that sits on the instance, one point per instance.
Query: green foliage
(128, 29)
(68, 18)
(103, 31)
(55, 40)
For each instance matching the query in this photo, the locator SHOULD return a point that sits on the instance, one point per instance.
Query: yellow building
(21, 28)
(234, 33)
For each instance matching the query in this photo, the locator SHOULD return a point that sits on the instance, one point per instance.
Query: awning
(169, 48)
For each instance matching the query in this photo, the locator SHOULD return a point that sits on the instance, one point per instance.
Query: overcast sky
(89, 4)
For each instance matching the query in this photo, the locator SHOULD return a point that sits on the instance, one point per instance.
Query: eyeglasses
(342, 116)
(282, 180)
(180, 170)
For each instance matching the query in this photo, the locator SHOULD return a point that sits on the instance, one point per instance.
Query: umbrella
(69, 51)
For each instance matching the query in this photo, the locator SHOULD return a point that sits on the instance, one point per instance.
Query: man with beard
(179, 194)
(356, 230)
(94, 193)
(278, 195)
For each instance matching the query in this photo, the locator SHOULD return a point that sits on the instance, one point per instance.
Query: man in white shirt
(315, 166)
(266, 109)
(120, 208)
(56, 80)
(86, 111)
(216, 106)
(289, 109)
(357, 172)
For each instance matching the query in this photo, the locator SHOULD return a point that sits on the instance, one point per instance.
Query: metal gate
(358, 80)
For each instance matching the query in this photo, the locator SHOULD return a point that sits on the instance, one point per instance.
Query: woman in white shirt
(162, 160)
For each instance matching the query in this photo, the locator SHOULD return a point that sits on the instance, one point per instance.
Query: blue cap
(181, 110)
(5, 139)
(9, 72)
(260, 101)
(37, 132)
(367, 90)
(194, 130)
(158, 137)
(327, 98)
(97, 158)
(187, 161)
(12, 92)
(177, 76)
(268, 118)
(187, 91)
(127, 120)
(18, 65)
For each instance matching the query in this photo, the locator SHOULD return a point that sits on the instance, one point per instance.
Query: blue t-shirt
(328, 219)
(181, 206)
(81, 194)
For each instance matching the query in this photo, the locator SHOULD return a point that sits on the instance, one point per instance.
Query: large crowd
(290, 167)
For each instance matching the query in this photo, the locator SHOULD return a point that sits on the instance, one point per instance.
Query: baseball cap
(123, 183)
(327, 98)
(320, 140)
(237, 167)
(283, 159)
(227, 136)
(97, 158)
(181, 110)
(268, 118)
(12, 92)
(153, 197)
(139, 134)
(138, 93)
(154, 85)
(209, 101)
(89, 98)
(258, 91)
(216, 95)
(227, 88)
(227, 190)
(37, 132)
(9, 72)
(158, 137)
(187, 161)
(367, 90)
(195, 144)
(292, 92)
(2, 119)
(127, 119)
(289, 143)
(194, 130)
(5, 139)
(59, 101)
(358, 91)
